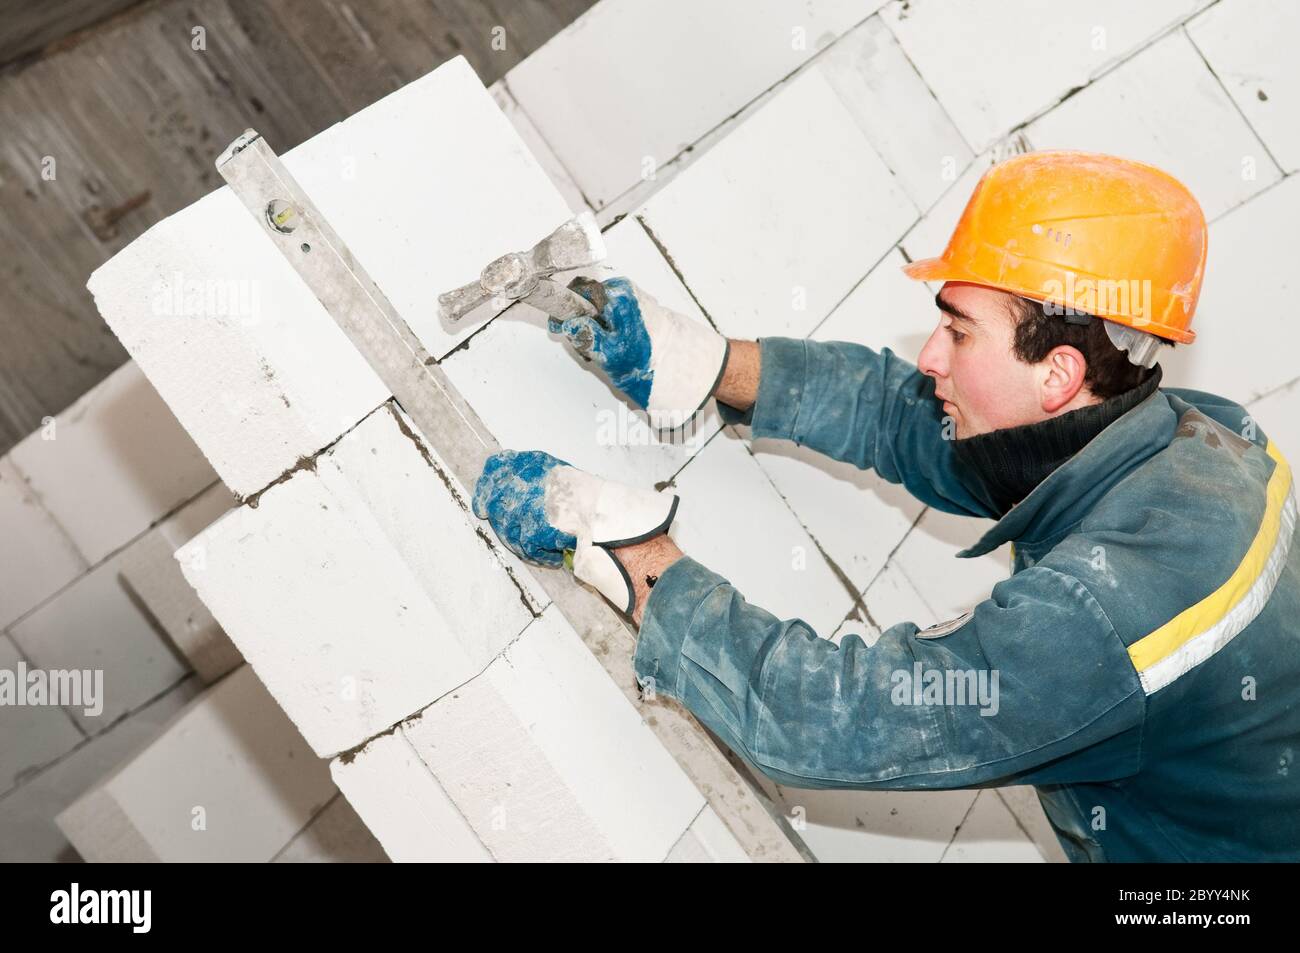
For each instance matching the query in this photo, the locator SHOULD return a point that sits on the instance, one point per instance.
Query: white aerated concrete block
(949, 586)
(734, 521)
(895, 110)
(404, 806)
(855, 516)
(229, 780)
(1022, 801)
(234, 341)
(361, 589)
(995, 65)
(95, 625)
(990, 834)
(629, 85)
(1165, 108)
(873, 826)
(1278, 415)
(778, 222)
(533, 392)
(28, 832)
(539, 147)
(34, 735)
(1245, 338)
(335, 836)
(1250, 45)
(929, 236)
(149, 568)
(37, 555)
(548, 760)
(707, 841)
(112, 464)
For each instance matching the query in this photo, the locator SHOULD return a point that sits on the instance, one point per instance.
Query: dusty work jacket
(1147, 641)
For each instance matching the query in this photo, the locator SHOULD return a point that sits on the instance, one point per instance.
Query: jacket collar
(1070, 491)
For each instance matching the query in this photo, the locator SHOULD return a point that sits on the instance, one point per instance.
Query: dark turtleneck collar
(1010, 462)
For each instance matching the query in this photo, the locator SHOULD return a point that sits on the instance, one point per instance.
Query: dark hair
(1109, 372)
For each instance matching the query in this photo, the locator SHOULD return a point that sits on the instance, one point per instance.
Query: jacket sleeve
(1050, 695)
(869, 408)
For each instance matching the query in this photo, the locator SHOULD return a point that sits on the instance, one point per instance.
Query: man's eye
(957, 336)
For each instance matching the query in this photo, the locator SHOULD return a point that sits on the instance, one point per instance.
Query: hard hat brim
(938, 269)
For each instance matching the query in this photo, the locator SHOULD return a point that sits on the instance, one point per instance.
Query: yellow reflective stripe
(1204, 615)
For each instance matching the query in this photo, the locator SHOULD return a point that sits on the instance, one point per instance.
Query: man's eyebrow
(952, 309)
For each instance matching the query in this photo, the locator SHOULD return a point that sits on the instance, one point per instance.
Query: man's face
(982, 384)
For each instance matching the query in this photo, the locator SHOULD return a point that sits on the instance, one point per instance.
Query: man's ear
(1064, 369)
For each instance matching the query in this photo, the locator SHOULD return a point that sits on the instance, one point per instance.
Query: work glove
(666, 363)
(549, 512)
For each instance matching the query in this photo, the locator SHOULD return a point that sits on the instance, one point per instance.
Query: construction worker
(1144, 654)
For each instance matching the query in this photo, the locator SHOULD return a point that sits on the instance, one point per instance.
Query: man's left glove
(543, 508)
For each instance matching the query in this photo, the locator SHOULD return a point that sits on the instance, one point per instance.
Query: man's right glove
(542, 509)
(666, 363)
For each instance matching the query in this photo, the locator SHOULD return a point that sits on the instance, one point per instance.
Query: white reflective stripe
(1199, 648)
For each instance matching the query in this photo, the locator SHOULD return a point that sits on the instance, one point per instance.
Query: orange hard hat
(1092, 233)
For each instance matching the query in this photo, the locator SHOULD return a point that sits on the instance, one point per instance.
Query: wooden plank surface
(129, 116)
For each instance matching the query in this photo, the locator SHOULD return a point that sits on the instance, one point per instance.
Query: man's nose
(933, 359)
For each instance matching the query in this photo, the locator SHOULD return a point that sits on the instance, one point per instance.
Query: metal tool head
(521, 275)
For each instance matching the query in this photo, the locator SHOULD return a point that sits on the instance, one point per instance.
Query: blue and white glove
(665, 362)
(542, 508)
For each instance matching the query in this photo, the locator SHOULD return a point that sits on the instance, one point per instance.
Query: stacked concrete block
(571, 772)
(404, 805)
(627, 87)
(948, 585)
(734, 521)
(111, 464)
(28, 832)
(539, 148)
(990, 833)
(96, 625)
(875, 826)
(38, 557)
(929, 235)
(1243, 327)
(229, 779)
(1022, 801)
(707, 841)
(856, 517)
(890, 102)
(77, 499)
(361, 588)
(334, 836)
(149, 568)
(780, 220)
(235, 342)
(1276, 414)
(1250, 45)
(390, 597)
(1042, 53)
(34, 735)
(1204, 143)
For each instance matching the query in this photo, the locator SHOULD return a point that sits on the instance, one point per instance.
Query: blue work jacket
(1146, 643)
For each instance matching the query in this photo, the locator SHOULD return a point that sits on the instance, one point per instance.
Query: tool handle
(560, 302)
